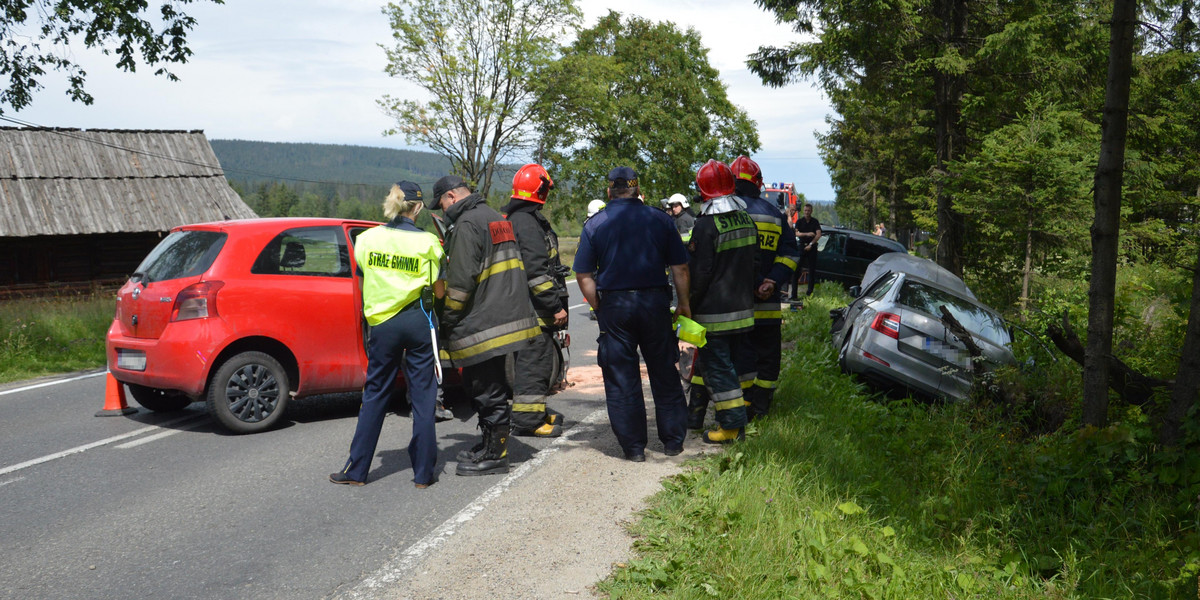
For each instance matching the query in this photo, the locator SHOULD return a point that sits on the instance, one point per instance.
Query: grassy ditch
(844, 494)
(44, 336)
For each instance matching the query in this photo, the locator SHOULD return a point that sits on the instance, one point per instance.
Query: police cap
(622, 178)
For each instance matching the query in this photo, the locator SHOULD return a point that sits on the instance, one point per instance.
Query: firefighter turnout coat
(487, 312)
(723, 245)
(539, 253)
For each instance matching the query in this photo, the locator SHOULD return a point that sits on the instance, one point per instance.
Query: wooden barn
(81, 208)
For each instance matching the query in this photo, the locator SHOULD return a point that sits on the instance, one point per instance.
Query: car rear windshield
(181, 254)
(978, 321)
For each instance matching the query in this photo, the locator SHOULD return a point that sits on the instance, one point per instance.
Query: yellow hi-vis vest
(396, 264)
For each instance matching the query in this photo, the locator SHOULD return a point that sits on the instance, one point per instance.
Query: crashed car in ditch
(914, 325)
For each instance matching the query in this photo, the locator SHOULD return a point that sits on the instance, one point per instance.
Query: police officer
(774, 264)
(487, 314)
(724, 242)
(621, 264)
(400, 265)
(533, 371)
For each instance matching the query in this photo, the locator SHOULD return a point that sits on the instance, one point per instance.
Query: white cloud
(312, 70)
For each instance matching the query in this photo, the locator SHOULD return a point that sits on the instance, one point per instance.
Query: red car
(244, 315)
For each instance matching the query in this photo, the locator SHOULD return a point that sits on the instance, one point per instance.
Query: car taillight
(196, 301)
(887, 324)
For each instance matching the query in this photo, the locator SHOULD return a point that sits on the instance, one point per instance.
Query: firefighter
(533, 365)
(774, 264)
(487, 314)
(677, 206)
(621, 264)
(400, 267)
(723, 245)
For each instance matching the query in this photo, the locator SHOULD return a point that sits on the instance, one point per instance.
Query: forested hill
(253, 163)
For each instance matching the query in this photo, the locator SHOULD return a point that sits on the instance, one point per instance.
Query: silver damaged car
(915, 325)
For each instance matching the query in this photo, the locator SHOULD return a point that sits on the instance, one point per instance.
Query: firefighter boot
(469, 455)
(493, 459)
(724, 436)
(554, 417)
(553, 427)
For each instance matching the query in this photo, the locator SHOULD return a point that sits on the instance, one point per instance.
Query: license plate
(131, 360)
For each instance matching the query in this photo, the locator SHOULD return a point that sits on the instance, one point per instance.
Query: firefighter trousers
(487, 386)
(766, 343)
(717, 362)
(533, 368)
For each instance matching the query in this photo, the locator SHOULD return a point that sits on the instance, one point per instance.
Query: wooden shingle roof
(73, 181)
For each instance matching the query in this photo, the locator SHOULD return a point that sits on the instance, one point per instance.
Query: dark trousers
(400, 342)
(532, 371)
(631, 320)
(487, 385)
(765, 342)
(718, 361)
(808, 262)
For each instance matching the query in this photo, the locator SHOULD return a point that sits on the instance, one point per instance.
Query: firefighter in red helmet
(774, 263)
(534, 363)
(723, 244)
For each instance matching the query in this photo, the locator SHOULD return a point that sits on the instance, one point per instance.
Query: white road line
(49, 383)
(86, 447)
(200, 420)
(377, 585)
(577, 306)
(14, 480)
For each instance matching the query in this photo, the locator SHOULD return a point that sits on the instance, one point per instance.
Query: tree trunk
(893, 208)
(948, 91)
(1187, 378)
(1106, 226)
(1027, 274)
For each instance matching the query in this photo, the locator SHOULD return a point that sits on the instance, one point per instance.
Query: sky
(312, 70)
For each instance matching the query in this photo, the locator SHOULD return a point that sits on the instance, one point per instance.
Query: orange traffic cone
(114, 400)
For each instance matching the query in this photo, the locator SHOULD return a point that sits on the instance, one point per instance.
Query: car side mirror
(855, 291)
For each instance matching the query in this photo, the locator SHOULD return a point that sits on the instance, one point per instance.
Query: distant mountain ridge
(251, 163)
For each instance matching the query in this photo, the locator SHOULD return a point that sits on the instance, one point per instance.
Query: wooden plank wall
(49, 262)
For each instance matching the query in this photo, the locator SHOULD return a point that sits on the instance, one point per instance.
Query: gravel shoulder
(558, 527)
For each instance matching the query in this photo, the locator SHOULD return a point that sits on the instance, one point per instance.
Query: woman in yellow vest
(401, 269)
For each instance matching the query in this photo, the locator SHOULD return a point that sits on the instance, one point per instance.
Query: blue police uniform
(628, 247)
(399, 261)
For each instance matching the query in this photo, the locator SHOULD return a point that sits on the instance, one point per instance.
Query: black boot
(493, 459)
(470, 455)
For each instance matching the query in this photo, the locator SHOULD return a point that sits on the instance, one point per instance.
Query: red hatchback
(244, 315)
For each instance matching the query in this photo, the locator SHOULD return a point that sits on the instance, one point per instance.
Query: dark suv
(845, 253)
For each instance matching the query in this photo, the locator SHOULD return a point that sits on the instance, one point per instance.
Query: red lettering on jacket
(501, 231)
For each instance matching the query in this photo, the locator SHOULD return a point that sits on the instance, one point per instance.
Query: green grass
(845, 494)
(53, 335)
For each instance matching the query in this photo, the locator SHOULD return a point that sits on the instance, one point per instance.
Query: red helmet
(714, 180)
(744, 168)
(532, 183)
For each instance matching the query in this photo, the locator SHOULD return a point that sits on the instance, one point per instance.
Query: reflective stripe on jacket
(539, 253)
(723, 245)
(778, 254)
(397, 264)
(487, 312)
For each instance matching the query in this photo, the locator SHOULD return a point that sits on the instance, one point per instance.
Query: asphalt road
(169, 506)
